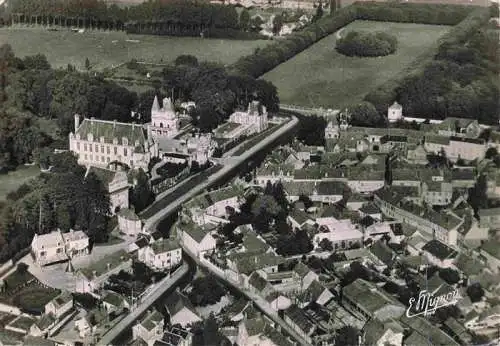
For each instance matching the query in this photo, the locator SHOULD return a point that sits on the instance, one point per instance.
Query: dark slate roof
(390, 138)
(299, 317)
(106, 176)
(369, 208)
(439, 250)
(330, 188)
(257, 281)
(110, 130)
(175, 302)
(382, 252)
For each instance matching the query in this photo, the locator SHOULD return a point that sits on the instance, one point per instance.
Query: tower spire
(156, 105)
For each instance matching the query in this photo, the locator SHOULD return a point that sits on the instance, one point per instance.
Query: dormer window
(90, 138)
(115, 140)
(101, 139)
(125, 141)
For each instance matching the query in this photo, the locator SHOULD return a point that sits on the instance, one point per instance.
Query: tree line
(61, 199)
(267, 58)
(459, 81)
(216, 92)
(181, 17)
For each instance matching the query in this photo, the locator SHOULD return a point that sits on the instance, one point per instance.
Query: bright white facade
(128, 222)
(56, 247)
(101, 142)
(59, 305)
(342, 233)
(395, 112)
(162, 254)
(164, 120)
(255, 118)
(197, 239)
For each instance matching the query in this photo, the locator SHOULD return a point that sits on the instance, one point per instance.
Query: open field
(319, 76)
(12, 180)
(104, 49)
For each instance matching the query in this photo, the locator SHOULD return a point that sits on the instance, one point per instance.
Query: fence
(167, 183)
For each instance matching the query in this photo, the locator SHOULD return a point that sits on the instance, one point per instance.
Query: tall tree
(211, 331)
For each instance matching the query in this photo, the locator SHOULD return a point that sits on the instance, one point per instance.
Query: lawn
(104, 49)
(12, 180)
(319, 76)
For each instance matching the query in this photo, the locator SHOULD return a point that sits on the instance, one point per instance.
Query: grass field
(12, 180)
(104, 49)
(320, 76)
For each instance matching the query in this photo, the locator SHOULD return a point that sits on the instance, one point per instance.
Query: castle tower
(395, 112)
(164, 121)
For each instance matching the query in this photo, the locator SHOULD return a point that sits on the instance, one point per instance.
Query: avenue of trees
(367, 44)
(152, 17)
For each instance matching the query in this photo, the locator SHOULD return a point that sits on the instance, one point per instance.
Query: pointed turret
(70, 268)
(156, 105)
(167, 105)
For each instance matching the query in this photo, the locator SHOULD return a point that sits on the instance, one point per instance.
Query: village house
(416, 154)
(298, 219)
(365, 181)
(368, 300)
(377, 333)
(91, 278)
(60, 305)
(459, 127)
(180, 310)
(115, 183)
(260, 332)
(43, 326)
(149, 328)
(101, 142)
(439, 254)
(114, 303)
(343, 234)
(456, 147)
(197, 239)
(296, 318)
(161, 255)
(443, 225)
(489, 218)
(128, 222)
(175, 336)
(490, 318)
(490, 251)
(56, 246)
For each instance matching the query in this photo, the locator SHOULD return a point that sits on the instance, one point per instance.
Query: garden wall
(9, 309)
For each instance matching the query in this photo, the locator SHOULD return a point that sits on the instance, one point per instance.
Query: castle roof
(109, 130)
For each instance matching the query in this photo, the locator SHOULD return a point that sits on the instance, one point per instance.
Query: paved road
(180, 196)
(258, 300)
(160, 288)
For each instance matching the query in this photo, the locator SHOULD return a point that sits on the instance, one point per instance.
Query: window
(84, 146)
(102, 158)
(86, 157)
(96, 148)
(102, 149)
(125, 152)
(78, 146)
(43, 253)
(131, 163)
(107, 159)
(59, 250)
(107, 149)
(116, 151)
(90, 147)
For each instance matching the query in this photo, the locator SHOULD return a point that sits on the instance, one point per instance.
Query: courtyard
(320, 76)
(107, 49)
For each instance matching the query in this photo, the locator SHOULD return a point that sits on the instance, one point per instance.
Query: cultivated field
(319, 76)
(104, 49)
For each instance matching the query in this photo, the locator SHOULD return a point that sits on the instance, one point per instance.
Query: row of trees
(367, 44)
(267, 58)
(180, 12)
(458, 82)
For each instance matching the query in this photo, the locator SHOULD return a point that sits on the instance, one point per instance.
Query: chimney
(77, 122)
(114, 124)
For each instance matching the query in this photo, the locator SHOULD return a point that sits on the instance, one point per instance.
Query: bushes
(367, 44)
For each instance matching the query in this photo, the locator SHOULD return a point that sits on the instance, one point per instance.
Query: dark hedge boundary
(385, 94)
(267, 58)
